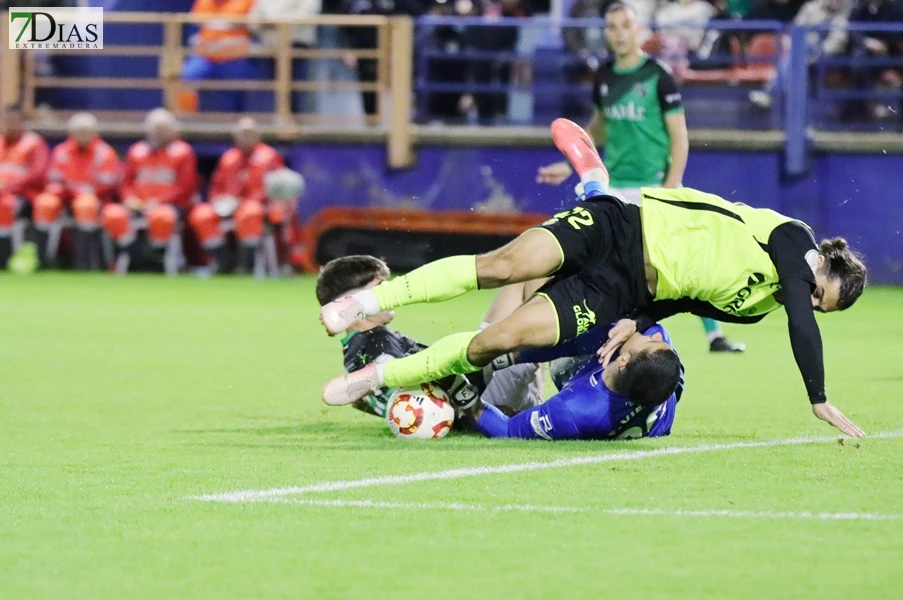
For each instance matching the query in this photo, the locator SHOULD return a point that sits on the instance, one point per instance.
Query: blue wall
(857, 196)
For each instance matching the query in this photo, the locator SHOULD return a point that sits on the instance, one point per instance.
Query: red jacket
(167, 175)
(23, 164)
(241, 175)
(93, 170)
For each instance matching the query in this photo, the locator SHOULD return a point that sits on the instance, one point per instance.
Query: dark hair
(348, 273)
(649, 378)
(841, 262)
(619, 6)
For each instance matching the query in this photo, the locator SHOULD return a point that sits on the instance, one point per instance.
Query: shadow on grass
(370, 436)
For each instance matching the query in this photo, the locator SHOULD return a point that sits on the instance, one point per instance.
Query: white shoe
(352, 387)
(339, 315)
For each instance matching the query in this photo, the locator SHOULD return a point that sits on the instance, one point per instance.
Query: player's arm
(129, 175)
(108, 175)
(548, 421)
(676, 123)
(788, 246)
(656, 312)
(596, 128)
(39, 157)
(581, 345)
(186, 181)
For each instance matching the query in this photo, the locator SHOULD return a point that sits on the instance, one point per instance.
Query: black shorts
(602, 277)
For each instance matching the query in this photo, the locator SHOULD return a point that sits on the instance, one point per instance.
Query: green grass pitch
(121, 398)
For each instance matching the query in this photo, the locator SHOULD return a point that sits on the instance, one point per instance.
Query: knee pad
(161, 223)
(47, 209)
(249, 221)
(206, 225)
(85, 208)
(8, 206)
(117, 222)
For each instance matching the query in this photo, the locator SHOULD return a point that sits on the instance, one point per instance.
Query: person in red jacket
(237, 191)
(83, 175)
(159, 182)
(23, 163)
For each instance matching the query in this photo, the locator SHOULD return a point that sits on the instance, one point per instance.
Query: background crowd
(132, 212)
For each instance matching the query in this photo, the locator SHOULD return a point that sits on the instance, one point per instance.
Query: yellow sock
(435, 282)
(446, 357)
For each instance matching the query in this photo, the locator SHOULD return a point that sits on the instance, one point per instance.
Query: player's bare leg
(532, 255)
(533, 325)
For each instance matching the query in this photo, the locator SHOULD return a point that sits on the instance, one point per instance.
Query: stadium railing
(544, 78)
(530, 83)
(393, 84)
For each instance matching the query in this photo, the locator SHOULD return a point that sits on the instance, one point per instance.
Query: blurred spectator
(158, 185)
(868, 45)
(303, 38)
(645, 10)
(682, 29)
(221, 52)
(23, 165)
(586, 47)
(448, 40)
(491, 71)
(83, 175)
(714, 51)
(775, 10)
(237, 193)
(739, 9)
(813, 13)
(365, 38)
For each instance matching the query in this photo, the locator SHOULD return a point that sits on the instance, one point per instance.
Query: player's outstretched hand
(827, 412)
(617, 335)
(554, 174)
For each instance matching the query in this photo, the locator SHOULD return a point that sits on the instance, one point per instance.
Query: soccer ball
(420, 411)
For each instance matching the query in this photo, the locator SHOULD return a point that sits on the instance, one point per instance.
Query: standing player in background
(83, 175)
(640, 121)
(23, 162)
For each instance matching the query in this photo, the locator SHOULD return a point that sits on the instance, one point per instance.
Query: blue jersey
(585, 409)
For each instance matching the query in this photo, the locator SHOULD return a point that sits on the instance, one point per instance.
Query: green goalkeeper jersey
(706, 248)
(635, 102)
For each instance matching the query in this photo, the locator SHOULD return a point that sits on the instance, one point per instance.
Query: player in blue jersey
(586, 408)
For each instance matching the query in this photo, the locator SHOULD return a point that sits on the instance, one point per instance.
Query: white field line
(643, 512)
(743, 514)
(448, 506)
(389, 480)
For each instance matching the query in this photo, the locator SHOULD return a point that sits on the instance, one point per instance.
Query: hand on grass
(827, 412)
(618, 334)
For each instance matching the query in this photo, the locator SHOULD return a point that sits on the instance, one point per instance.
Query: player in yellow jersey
(683, 251)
